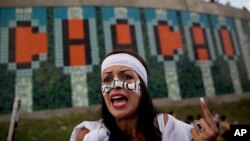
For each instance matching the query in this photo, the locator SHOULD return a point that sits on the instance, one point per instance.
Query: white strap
(126, 60)
(160, 120)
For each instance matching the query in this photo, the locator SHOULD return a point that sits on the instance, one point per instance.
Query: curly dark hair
(147, 123)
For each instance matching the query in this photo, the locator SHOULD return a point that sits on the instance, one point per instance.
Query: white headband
(124, 59)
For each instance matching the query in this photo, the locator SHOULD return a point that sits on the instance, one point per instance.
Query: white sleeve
(96, 129)
(176, 130)
(182, 132)
(97, 135)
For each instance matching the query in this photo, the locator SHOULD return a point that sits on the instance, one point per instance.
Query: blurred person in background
(190, 120)
(224, 127)
(172, 113)
(216, 118)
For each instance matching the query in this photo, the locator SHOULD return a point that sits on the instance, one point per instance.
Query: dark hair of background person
(147, 124)
(223, 117)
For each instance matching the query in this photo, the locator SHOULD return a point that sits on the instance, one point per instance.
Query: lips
(118, 100)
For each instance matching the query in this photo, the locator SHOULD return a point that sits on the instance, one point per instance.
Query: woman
(128, 112)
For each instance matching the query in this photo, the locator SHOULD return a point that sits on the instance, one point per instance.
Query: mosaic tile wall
(49, 57)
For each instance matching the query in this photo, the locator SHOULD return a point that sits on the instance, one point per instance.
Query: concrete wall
(190, 5)
(50, 50)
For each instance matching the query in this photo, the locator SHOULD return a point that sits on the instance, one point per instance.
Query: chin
(120, 115)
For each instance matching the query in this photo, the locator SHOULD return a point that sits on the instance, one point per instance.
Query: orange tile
(39, 43)
(123, 34)
(198, 35)
(202, 54)
(77, 55)
(227, 42)
(76, 29)
(23, 45)
(169, 40)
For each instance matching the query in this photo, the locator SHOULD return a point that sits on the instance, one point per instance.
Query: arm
(209, 131)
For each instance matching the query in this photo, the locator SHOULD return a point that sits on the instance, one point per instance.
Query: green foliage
(100, 30)
(94, 83)
(245, 84)
(190, 79)
(93, 78)
(221, 77)
(220, 69)
(7, 89)
(156, 83)
(51, 88)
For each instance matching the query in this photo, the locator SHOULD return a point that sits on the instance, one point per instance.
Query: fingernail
(202, 99)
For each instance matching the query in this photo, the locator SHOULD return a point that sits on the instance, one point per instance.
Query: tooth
(115, 97)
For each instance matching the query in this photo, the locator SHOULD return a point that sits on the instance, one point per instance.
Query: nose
(117, 84)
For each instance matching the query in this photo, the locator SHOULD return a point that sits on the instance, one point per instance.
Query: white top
(174, 130)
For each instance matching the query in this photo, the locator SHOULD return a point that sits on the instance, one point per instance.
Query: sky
(236, 3)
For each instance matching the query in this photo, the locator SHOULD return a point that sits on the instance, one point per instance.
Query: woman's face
(121, 103)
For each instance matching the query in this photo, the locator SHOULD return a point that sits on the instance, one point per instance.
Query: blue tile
(171, 14)
(107, 13)
(150, 14)
(214, 20)
(134, 13)
(40, 14)
(60, 13)
(204, 19)
(185, 18)
(7, 14)
(88, 12)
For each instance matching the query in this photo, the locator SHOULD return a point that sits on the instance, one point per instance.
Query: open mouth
(119, 98)
(119, 101)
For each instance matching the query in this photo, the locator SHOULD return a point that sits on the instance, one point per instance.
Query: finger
(211, 132)
(208, 130)
(204, 107)
(206, 113)
(194, 132)
(196, 135)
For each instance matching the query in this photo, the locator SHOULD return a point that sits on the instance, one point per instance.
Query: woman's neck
(129, 127)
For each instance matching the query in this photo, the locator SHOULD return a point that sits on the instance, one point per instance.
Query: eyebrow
(126, 70)
(107, 72)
